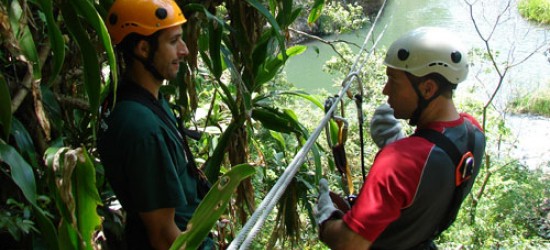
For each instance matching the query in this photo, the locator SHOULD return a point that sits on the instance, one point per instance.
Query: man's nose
(183, 50)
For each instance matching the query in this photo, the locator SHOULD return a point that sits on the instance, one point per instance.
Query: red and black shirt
(410, 187)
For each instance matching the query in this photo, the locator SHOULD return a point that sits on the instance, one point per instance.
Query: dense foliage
(57, 65)
(536, 10)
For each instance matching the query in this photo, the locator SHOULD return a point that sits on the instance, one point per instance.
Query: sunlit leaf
(212, 207)
(87, 197)
(272, 65)
(24, 36)
(316, 11)
(274, 119)
(279, 138)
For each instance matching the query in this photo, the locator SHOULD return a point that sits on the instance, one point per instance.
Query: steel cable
(255, 222)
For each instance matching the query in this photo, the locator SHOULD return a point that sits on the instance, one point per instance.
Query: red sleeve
(390, 186)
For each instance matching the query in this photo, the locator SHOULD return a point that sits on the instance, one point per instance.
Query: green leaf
(56, 38)
(92, 16)
(279, 138)
(92, 79)
(272, 65)
(275, 120)
(5, 107)
(213, 164)
(278, 33)
(316, 11)
(68, 236)
(216, 32)
(24, 36)
(87, 198)
(21, 172)
(24, 142)
(211, 208)
(46, 227)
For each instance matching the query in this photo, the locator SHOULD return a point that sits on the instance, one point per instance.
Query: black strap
(455, 155)
(441, 141)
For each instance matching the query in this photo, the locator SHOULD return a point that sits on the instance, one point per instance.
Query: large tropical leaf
(75, 186)
(92, 76)
(21, 172)
(212, 207)
(277, 32)
(55, 36)
(213, 164)
(24, 142)
(24, 36)
(87, 197)
(92, 16)
(23, 176)
(274, 119)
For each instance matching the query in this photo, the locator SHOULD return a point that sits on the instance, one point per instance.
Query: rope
(257, 219)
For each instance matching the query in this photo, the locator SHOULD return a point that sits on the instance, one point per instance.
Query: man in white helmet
(415, 186)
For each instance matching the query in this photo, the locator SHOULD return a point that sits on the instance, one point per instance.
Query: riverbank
(530, 141)
(304, 31)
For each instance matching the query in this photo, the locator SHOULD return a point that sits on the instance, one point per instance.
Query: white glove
(325, 208)
(384, 128)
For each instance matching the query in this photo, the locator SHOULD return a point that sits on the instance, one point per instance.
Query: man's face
(170, 52)
(401, 95)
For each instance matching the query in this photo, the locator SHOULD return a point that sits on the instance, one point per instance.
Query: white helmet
(428, 50)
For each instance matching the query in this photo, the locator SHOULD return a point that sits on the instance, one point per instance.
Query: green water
(513, 35)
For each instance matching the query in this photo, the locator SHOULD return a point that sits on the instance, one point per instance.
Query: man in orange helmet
(146, 157)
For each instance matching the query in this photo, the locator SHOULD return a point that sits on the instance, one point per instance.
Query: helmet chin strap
(422, 104)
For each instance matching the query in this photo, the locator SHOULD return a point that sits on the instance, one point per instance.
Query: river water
(513, 37)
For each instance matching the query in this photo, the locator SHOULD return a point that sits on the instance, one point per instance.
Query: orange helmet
(143, 17)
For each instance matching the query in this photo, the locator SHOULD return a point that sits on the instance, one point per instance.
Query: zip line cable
(257, 219)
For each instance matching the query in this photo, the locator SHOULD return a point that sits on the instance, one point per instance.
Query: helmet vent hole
(113, 18)
(161, 13)
(456, 56)
(403, 54)
(438, 64)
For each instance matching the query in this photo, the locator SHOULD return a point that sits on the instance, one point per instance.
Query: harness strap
(464, 167)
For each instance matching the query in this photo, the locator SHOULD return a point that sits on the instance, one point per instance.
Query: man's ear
(141, 49)
(428, 88)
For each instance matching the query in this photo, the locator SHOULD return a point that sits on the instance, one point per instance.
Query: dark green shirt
(146, 165)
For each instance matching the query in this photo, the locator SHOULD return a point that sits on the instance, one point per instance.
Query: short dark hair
(126, 46)
(446, 88)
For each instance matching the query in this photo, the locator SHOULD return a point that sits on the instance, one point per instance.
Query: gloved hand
(384, 128)
(325, 208)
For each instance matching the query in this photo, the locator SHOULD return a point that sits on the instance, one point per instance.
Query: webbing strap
(452, 151)
(441, 141)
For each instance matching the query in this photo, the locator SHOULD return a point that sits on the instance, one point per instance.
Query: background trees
(57, 65)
